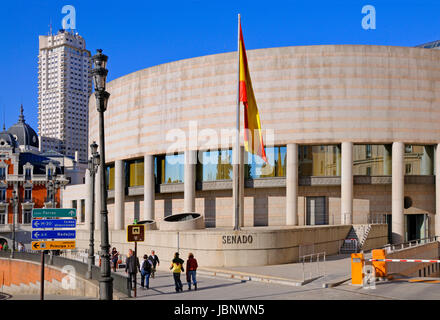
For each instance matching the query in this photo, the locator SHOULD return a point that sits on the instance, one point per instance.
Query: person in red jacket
(191, 268)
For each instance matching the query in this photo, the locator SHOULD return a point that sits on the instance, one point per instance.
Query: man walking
(131, 268)
(155, 261)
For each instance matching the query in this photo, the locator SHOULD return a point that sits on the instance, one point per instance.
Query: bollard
(357, 265)
(380, 267)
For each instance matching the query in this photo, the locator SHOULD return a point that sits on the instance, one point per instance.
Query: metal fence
(399, 246)
(313, 266)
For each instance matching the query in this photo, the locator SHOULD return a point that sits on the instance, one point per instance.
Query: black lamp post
(99, 75)
(14, 201)
(93, 167)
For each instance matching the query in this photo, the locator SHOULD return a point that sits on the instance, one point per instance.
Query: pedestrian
(146, 267)
(131, 268)
(5, 246)
(155, 260)
(115, 258)
(191, 269)
(20, 247)
(177, 267)
(1, 246)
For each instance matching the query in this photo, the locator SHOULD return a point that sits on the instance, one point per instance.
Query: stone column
(98, 200)
(437, 191)
(189, 203)
(347, 183)
(292, 185)
(398, 181)
(89, 193)
(119, 195)
(149, 187)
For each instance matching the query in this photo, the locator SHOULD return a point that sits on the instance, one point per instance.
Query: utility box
(357, 265)
(380, 267)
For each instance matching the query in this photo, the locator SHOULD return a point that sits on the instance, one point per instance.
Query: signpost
(48, 218)
(135, 233)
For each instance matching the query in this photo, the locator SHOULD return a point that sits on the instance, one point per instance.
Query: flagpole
(237, 139)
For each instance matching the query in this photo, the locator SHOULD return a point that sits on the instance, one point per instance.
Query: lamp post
(99, 75)
(52, 191)
(14, 201)
(93, 167)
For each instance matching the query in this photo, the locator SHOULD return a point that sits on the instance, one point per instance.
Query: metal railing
(403, 245)
(377, 219)
(316, 266)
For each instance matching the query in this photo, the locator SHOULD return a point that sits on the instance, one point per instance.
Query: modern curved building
(354, 128)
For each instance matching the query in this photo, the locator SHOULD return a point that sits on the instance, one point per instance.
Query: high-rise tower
(64, 87)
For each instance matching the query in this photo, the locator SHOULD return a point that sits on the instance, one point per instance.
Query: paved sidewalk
(336, 268)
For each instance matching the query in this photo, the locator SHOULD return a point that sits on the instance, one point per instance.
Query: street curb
(250, 277)
(335, 283)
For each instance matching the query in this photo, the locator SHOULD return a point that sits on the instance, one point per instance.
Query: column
(98, 200)
(240, 193)
(119, 195)
(437, 191)
(292, 185)
(189, 202)
(89, 193)
(398, 181)
(149, 187)
(347, 183)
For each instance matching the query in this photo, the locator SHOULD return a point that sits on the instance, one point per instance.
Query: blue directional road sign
(54, 223)
(53, 213)
(54, 234)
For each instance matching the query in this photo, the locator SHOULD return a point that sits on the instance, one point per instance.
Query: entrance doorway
(316, 211)
(416, 226)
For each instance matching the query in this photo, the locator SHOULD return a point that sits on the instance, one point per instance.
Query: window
(372, 159)
(135, 173)
(3, 219)
(321, 161)
(27, 215)
(2, 173)
(2, 194)
(420, 161)
(110, 177)
(28, 174)
(28, 194)
(170, 168)
(368, 151)
(255, 167)
(214, 165)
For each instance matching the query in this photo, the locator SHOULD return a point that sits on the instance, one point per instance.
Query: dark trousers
(177, 282)
(145, 277)
(131, 281)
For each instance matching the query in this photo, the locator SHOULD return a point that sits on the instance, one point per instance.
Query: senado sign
(237, 239)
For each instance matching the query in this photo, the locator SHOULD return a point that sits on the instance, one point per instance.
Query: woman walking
(115, 256)
(146, 267)
(191, 269)
(177, 267)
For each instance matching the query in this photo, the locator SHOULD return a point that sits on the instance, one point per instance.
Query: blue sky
(140, 34)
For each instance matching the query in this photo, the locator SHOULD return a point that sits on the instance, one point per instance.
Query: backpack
(147, 266)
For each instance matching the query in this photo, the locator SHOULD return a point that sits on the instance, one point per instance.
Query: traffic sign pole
(135, 263)
(42, 277)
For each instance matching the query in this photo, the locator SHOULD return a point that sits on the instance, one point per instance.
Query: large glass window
(135, 173)
(419, 160)
(319, 161)
(170, 168)
(110, 179)
(255, 167)
(214, 165)
(372, 159)
(2, 194)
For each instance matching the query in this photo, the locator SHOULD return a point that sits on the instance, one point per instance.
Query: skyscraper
(64, 87)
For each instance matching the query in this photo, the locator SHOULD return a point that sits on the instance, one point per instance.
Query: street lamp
(99, 75)
(14, 201)
(93, 167)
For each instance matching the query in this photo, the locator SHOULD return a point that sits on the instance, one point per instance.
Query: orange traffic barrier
(380, 267)
(357, 265)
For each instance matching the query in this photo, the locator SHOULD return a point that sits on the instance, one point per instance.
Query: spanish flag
(253, 140)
